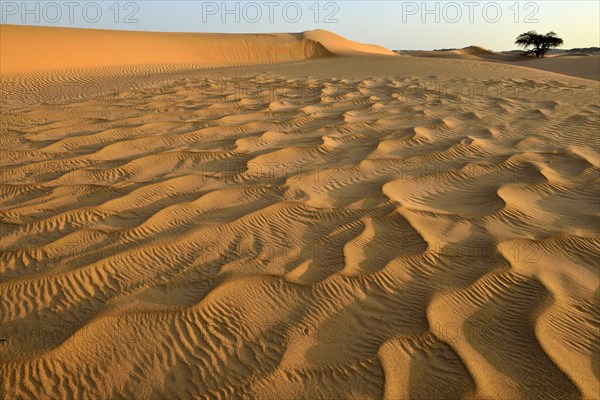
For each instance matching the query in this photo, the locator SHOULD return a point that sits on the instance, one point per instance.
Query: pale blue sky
(394, 24)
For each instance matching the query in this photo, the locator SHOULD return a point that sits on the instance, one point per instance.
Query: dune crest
(340, 45)
(35, 49)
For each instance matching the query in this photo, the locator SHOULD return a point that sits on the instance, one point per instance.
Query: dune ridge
(74, 48)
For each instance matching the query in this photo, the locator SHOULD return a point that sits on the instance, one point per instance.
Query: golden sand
(347, 224)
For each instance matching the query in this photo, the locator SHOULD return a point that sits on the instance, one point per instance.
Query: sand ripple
(339, 240)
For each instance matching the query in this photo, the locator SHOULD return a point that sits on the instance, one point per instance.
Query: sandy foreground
(324, 220)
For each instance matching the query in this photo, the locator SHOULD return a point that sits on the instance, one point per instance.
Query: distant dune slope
(581, 66)
(50, 49)
(475, 50)
(467, 53)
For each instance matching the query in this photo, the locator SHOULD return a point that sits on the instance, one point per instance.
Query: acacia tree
(540, 43)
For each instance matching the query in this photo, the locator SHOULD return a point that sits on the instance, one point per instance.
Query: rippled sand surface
(339, 228)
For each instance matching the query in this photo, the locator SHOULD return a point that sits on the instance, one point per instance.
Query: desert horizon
(190, 215)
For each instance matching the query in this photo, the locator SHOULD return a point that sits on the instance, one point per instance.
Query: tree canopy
(540, 43)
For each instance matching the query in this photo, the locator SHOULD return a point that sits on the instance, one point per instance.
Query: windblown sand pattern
(269, 236)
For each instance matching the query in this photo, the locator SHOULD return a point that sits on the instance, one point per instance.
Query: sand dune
(68, 48)
(581, 66)
(586, 66)
(345, 227)
(339, 45)
(467, 53)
